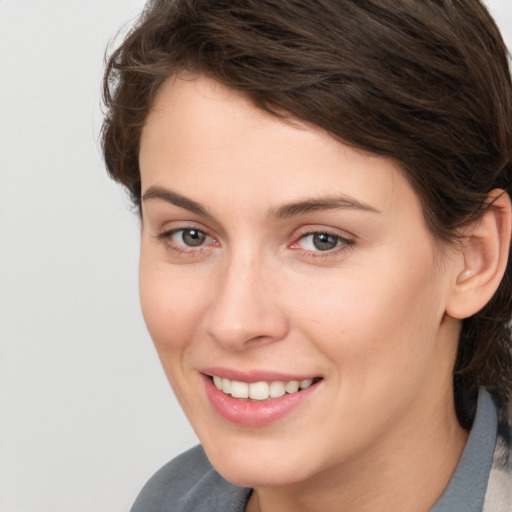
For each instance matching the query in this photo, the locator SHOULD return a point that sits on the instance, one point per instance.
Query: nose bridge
(244, 307)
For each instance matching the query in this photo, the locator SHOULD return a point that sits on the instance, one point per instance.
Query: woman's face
(272, 254)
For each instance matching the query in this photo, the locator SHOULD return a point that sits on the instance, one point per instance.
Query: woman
(324, 195)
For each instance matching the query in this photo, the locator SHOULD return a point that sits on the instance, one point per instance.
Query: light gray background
(86, 415)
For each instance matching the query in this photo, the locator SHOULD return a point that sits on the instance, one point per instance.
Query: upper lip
(255, 375)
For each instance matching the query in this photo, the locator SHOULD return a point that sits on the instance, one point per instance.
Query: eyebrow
(305, 206)
(176, 199)
(299, 207)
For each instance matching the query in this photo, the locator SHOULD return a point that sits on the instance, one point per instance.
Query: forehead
(203, 136)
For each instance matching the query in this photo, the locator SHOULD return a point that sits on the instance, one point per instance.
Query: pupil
(193, 237)
(324, 241)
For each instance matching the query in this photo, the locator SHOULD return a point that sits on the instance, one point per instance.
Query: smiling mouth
(259, 391)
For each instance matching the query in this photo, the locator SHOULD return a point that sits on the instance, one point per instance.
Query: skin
(369, 316)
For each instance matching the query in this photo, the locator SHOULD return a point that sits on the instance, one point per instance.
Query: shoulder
(190, 483)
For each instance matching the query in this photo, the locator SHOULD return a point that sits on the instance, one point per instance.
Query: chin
(251, 475)
(266, 469)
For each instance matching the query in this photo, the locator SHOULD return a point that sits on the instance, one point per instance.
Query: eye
(320, 241)
(189, 237)
(185, 239)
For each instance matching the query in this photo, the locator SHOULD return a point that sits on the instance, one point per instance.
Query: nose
(245, 309)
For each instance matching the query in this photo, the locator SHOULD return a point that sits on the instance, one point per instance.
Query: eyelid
(334, 235)
(179, 224)
(173, 232)
(344, 242)
(165, 236)
(319, 229)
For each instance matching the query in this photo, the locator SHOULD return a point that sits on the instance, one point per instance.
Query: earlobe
(484, 256)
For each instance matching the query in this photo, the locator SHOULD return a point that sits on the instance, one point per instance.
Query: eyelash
(342, 244)
(166, 238)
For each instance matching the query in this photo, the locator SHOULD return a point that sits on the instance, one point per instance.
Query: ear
(484, 256)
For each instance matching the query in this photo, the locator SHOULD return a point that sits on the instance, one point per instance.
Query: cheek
(377, 322)
(170, 306)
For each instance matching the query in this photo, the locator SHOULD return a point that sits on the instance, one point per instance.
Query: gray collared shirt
(466, 490)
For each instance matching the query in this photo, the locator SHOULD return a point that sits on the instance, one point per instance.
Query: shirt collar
(466, 489)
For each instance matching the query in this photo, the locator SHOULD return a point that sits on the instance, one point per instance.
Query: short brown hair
(425, 82)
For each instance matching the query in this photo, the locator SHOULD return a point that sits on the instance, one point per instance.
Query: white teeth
(277, 389)
(259, 390)
(239, 389)
(218, 382)
(292, 386)
(304, 384)
(226, 386)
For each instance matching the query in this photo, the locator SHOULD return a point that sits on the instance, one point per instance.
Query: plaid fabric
(498, 497)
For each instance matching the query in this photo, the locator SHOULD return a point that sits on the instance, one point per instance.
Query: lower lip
(257, 413)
